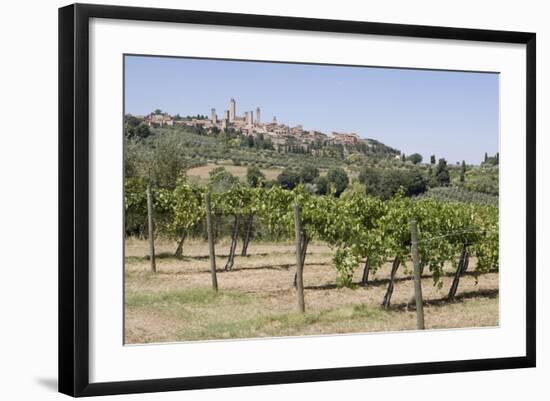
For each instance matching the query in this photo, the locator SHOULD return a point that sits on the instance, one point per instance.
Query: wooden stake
(151, 232)
(417, 277)
(299, 260)
(211, 250)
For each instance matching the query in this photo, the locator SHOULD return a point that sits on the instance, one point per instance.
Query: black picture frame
(74, 198)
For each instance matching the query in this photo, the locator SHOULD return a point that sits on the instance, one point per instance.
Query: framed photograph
(252, 199)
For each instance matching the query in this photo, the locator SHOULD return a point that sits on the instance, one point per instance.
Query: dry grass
(201, 173)
(256, 299)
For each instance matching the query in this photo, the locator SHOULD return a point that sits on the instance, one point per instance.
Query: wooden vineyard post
(303, 249)
(151, 231)
(299, 260)
(417, 278)
(211, 251)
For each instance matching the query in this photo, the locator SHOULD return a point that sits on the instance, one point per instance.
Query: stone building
(232, 110)
(159, 120)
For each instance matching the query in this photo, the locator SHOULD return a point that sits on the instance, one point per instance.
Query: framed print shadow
(252, 199)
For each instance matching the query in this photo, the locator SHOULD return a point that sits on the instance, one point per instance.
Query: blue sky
(449, 114)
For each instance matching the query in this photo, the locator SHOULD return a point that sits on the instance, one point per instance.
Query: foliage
(187, 204)
(221, 180)
(308, 173)
(491, 160)
(161, 160)
(322, 185)
(355, 188)
(458, 194)
(354, 225)
(254, 177)
(135, 207)
(462, 171)
(441, 175)
(386, 183)
(338, 179)
(138, 131)
(345, 262)
(415, 158)
(484, 180)
(288, 179)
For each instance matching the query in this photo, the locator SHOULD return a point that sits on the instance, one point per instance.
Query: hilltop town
(278, 134)
(286, 155)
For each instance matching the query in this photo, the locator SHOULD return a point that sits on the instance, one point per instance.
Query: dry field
(256, 298)
(200, 174)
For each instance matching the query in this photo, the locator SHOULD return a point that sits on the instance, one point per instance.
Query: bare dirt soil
(257, 299)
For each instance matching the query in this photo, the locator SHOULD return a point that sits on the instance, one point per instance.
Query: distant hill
(278, 137)
(203, 147)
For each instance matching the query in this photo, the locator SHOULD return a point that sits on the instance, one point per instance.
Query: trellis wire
(456, 232)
